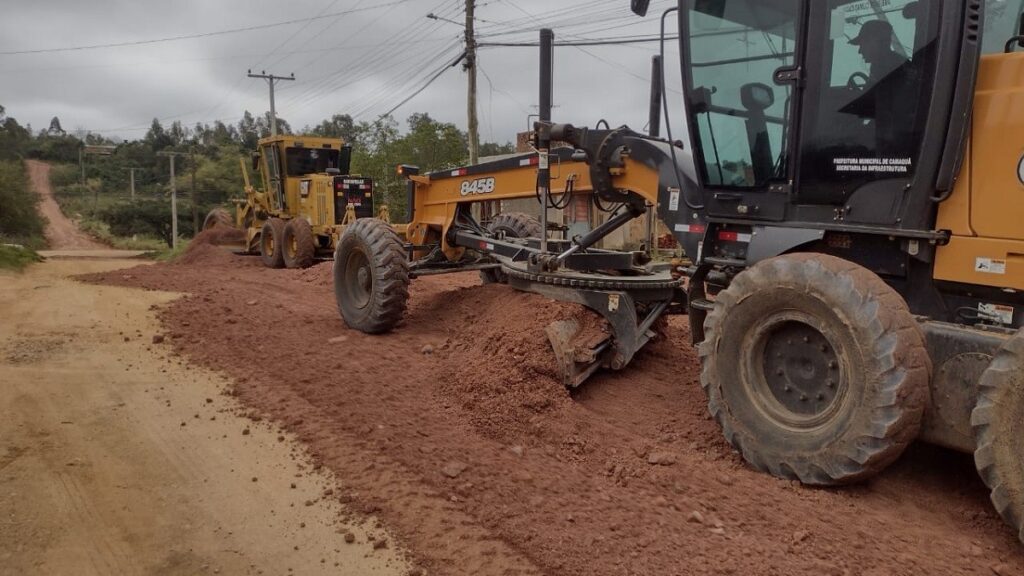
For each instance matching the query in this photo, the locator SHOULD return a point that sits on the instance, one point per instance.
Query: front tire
(371, 276)
(298, 243)
(998, 422)
(815, 369)
(271, 248)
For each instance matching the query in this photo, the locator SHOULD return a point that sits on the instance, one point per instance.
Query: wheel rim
(795, 371)
(359, 277)
(268, 242)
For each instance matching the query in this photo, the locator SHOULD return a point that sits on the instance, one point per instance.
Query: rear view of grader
(849, 190)
(306, 200)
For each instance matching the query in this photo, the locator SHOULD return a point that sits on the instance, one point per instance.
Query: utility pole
(195, 206)
(174, 197)
(271, 79)
(470, 67)
(132, 181)
(474, 132)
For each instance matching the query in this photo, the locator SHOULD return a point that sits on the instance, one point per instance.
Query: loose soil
(116, 457)
(61, 233)
(455, 430)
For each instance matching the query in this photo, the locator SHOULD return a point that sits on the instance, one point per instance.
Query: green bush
(14, 257)
(20, 222)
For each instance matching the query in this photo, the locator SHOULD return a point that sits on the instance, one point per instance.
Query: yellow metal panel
(982, 261)
(996, 191)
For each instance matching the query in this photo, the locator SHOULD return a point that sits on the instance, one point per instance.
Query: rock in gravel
(338, 340)
(158, 338)
(382, 543)
(245, 432)
(427, 350)
(718, 531)
(251, 302)
(517, 450)
(661, 458)
(350, 537)
(453, 469)
(1001, 569)
(695, 517)
(800, 536)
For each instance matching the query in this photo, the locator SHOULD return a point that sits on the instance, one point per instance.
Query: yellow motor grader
(849, 186)
(306, 200)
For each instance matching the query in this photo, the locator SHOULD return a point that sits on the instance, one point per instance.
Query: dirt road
(61, 233)
(117, 458)
(456, 431)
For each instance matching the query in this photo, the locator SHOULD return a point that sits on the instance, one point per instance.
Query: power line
(594, 42)
(201, 34)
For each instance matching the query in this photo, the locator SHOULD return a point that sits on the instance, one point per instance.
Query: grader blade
(577, 357)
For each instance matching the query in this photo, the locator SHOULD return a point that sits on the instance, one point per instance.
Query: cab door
(741, 62)
(870, 68)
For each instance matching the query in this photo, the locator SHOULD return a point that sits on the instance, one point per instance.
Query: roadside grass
(15, 257)
(170, 254)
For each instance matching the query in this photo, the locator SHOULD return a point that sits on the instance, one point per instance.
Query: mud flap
(577, 358)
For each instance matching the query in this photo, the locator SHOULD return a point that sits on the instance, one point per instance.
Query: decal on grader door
(478, 186)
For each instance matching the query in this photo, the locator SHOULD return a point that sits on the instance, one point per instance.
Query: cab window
(302, 161)
(869, 89)
(740, 116)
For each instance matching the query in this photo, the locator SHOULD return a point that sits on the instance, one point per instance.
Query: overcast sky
(360, 57)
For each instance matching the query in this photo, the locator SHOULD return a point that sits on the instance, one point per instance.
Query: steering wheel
(858, 81)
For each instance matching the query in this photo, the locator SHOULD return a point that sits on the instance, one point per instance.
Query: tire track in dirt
(455, 430)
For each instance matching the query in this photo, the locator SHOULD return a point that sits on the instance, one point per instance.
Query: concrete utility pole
(132, 180)
(195, 206)
(271, 79)
(174, 197)
(474, 132)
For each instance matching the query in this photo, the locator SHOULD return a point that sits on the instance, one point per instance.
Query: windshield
(739, 112)
(302, 161)
(1001, 20)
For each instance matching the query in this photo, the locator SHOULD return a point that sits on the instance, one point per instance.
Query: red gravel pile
(455, 431)
(208, 247)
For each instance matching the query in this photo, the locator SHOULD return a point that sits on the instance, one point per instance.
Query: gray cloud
(364, 62)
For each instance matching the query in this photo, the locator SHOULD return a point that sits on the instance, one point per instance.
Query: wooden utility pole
(174, 198)
(271, 79)
(474, 132)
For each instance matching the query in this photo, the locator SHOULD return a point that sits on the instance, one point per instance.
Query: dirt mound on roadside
(208, 247)
(505, 374)
(319, 274)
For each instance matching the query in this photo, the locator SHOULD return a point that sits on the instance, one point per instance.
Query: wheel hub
(802, 373)
(360, 288)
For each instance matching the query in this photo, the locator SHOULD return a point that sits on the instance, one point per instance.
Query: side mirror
(255, 161)
(640, 6)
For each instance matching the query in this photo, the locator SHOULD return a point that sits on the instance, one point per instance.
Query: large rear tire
(511, 225)
(298, 243)
(218, 217)
(271, 248)
(815, 369)
(998, 421)
(371, 276)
